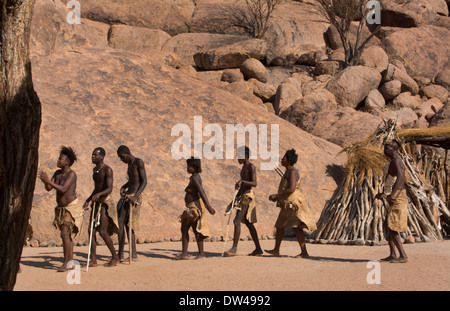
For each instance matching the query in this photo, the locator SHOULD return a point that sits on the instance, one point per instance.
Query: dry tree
(254, 16)
(341, 14)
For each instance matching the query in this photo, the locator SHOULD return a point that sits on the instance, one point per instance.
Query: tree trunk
(20, 120)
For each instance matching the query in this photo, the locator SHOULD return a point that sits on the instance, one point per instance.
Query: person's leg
(278, 238)
(240, 214)
(254, 235)
(93, 260)
(199, 238)
(301, 241)
(67, 247)
(133, 246)
(103, 230)
(184, 240)
(122, 214)
(398, 244)
(392, 254)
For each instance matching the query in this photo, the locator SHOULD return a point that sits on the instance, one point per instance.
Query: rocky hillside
(133, 70)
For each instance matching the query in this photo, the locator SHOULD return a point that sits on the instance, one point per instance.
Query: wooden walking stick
(130, 230)
(94, 213)
(229, 211)
(279, 171)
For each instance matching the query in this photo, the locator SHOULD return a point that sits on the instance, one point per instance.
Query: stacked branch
(353, 213)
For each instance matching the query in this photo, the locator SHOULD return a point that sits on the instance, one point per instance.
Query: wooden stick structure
(279, 171)
(95, 219)
(352, 214)
(230, 212)
(130, 230)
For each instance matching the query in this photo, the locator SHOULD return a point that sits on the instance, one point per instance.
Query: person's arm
(108, 188)
(86, 204)
(71, 178)
(44, 178)
(142, 180)
(196, 180)
(124, 188)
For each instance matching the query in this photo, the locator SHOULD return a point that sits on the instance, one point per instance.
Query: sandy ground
(330, 267)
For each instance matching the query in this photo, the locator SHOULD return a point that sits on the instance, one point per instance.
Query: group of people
(294, 209)
(107, 217)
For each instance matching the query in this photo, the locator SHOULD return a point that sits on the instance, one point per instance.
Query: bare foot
(92, 264)
(182, 257)
(64, 267)
(112, 263)
(256, 252)
(302, 256)
(200, 256)
(399, 260)
(388, 258)
(272, 252)
(229, 253)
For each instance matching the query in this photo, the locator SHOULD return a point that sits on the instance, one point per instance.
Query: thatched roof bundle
(354, 215)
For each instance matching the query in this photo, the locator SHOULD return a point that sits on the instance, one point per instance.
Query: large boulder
(253, 69)
(288, 92)
(172, 16)
(435, 91)
(313, 102)
(232, 55)
(391, 89)
(424, 50)
(342, 126)
(394, 73)
(51, 32)
(352, 85)
(443, 78)
(442, 117)
(137, 39)
(294, 29)
(374, 57)
(186, 45)
(374, 101)
(413, 13)
(407, 100)
(106, 97)
(335, 41)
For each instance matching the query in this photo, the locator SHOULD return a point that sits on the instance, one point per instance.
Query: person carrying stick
(294, 209)
(131, 198)
(397, 217)
(245, 203)
(103, 185)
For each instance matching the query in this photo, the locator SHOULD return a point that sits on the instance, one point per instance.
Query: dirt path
(331, 267)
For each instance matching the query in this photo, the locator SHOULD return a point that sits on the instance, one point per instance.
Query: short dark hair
(395, 144)
(123, 149)
(101, 151)
(291, 156)
(69, 153)
(195, 163)
(245, 150)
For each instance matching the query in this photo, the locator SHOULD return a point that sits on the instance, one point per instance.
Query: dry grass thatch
(353, 213)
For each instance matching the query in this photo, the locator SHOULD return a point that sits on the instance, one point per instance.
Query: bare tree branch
(254, 17)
